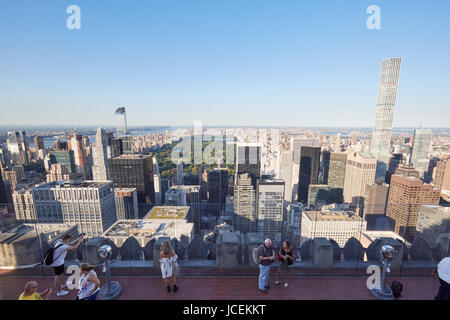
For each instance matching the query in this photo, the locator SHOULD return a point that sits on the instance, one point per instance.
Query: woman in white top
(167, 260)
(88, 283)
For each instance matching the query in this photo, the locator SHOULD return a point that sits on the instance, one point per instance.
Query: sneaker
(286, 284)
(267, 287)
(277, 282)
(175, 288)
(62, 293)
(168, 288)
(263, 291)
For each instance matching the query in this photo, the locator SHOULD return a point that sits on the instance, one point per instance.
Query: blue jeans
(93, 296)
(263, 276)
(444, 291)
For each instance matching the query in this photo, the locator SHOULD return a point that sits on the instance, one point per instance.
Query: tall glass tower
(121, 122)
(387, 94)
(420, 154)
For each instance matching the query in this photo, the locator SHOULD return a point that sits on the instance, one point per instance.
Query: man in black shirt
(266, 258)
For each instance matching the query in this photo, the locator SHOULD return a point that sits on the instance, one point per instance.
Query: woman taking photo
(89, 283)
(286, 256)
(168, 260)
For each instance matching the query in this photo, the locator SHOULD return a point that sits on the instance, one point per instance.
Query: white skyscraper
(121, 122)
(180, 172)
(100, 156)
(155, 166)
(158, 189)
(286, 167)
(420, 158)
(387, 94)
(269, 202)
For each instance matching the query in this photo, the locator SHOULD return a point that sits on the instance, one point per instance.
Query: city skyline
(202, 61)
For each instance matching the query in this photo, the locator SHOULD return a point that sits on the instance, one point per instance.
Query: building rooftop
(271, 181)
(193, 188)
(366, 155)
(149, 228)
(132, 156)
(332, 216)
(73, 184)
(119, 190)
(167, 212)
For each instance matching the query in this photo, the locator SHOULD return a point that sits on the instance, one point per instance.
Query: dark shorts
(286, 266)
(59, 270)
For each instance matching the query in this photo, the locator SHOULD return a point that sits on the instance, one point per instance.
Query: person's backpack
(397, 288)
(48, 259)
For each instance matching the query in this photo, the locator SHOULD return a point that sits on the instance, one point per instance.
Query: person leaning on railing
(30, 292)
(442, 272)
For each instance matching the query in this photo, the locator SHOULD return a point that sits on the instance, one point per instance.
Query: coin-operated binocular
(112, 288)
(384, 292)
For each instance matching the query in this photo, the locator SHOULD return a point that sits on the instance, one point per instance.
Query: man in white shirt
(442, 271)
(59, 255)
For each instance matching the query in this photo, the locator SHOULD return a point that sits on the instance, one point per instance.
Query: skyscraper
(359, 172)
(333, 166)
(3, 198)
(65, 158)
(269, 210)
(420, 159)
(134, 171)
(441, 174)
(155, 166)
(286, 167)
(126, 203)
(406, 194)
(309, 171)
(375, 203)
(157, 187)
(180, 173)
(89, 204)
(217, 190)
(387, 94)
(78, 147)
(122, 134)
(296, 145)
(121, 122)
(394, 162)
(244, 219)
(100, 156)
(38, 143)
(18, 147)
(248, 160)
(24, 207)
(59, 172)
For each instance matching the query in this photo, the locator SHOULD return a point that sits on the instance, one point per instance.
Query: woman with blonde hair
(168, 260)
(88, 283)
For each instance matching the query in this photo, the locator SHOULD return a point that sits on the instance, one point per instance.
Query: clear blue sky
(225, 62)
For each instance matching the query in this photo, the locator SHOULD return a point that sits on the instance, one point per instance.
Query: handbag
(175, 266)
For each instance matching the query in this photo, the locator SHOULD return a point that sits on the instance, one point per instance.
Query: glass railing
(209, 241)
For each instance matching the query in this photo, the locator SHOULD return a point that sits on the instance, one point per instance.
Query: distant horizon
(18, 127)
